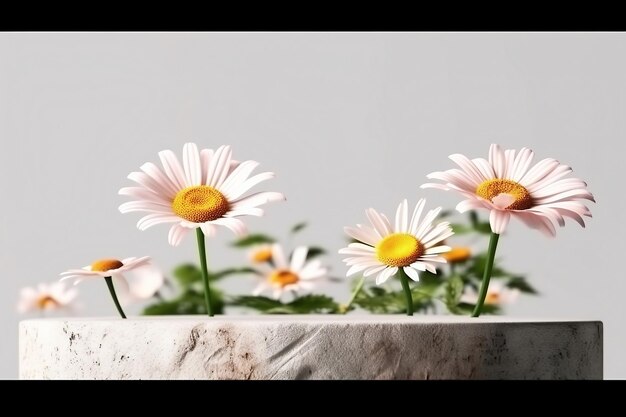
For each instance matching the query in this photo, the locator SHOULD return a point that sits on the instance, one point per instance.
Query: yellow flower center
(458, 254)
(492, 298)
(200, 204)
(493, 188)
(283, 277)
(46, 302)
(262, 255)
(399, 249)
(103, 265)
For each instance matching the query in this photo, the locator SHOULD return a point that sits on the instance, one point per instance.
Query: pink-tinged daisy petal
(436, 186)
(145, 206)
(122, 289)
(385, 275)
(558, 173)
(208, 229)
(415, 218)
(143, 194)
(257, 199)
(238, 177)
(361, 246)
(401, 225)
(234, 224)
(539, 171)
(412, 273)
(437, 249)
(144, 280)
(176, 234)
(278, 256)
(537, 222)
(558, 187)
(509, 159)
(220, 164)
(485, 169)
(298, 258)
(499, 219)
(522, 162)
(550, 213)
(437, 231)
(567, 195)
(468, 167)
(260, 288)
(426, 223)
(154, 219)
(311, 267)
(238, 190)
(440, 238)
(377, 222)
(205, 159)
(172, 169)
(252, 211)
(496, 160)
(361, 235)
(160, 178)
(148, 182)
(502, 201)
(191, 164)
(430, 267)
(373, 270)
(467, 205)
(360, 267)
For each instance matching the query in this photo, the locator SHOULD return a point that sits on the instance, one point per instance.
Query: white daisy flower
(297, 275)
(497, 294)
(46, 297)
(206, 191)
(508, 186)
(134, 278)
(412, 244)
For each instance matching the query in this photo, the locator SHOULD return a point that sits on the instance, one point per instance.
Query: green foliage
(521, 284)
(298, 228)
(251, 240)
(307, 304)
(453, 289)
(315, 251)
(381, 300)
(189, 302)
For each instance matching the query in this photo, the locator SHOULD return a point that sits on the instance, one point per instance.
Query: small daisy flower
(297, 275)
(132, 279)
(206, 191)
(260, 254)
(46, 297)
(497, 294)
(508, 186)
(411, 243)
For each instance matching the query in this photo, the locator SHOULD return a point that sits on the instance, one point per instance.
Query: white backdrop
(346, 120)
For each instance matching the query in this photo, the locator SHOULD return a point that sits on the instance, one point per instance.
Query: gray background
(346, 121)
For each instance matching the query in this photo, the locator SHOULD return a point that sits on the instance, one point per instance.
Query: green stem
(484, 286)
(404, 279)
(109, 282)
(356, 292)
(205, 271)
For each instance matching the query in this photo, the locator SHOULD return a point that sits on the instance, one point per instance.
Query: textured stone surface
(310, 347)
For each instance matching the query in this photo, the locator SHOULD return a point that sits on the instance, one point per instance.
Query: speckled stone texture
(309, 347)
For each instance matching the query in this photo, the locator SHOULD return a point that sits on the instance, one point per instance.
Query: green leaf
(187, 274)
(298, 227)
(461, 229)
(256, 302)
(232, 271)
(521, 284)
(251, 240)
(312, 303)
(190, 302)
(315, 251)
